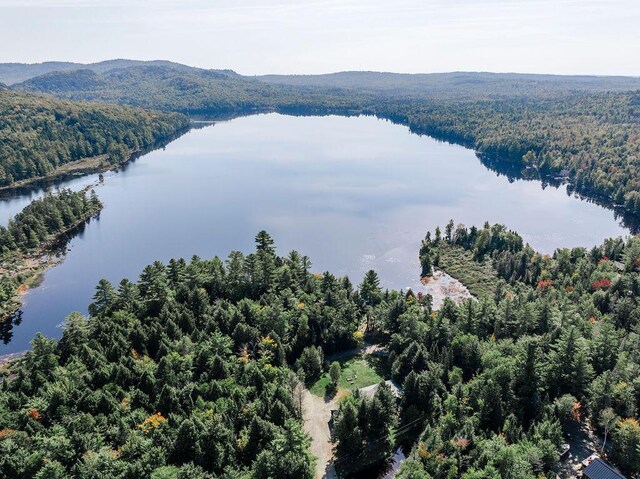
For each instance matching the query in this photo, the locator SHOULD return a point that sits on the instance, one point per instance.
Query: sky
(317, 36)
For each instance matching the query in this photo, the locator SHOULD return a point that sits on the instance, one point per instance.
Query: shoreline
(33, 264)
(8, 358)
(82, 167)
(86, 166)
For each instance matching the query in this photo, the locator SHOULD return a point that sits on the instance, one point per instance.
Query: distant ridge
(169, 88)
(471, 82)
(380, 82)
(11, 73)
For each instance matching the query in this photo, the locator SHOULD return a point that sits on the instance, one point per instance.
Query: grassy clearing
(369, 370)
(480, 278)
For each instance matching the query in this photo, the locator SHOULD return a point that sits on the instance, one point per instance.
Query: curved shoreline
(7, 358)
(35, 262)
(85, 167)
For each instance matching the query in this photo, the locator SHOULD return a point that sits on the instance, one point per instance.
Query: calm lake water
(351, 193)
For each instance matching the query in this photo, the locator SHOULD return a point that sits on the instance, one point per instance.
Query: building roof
(370, 391)
(599, 469)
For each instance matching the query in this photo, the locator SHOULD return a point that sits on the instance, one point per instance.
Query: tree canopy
(40, 134)
(191, 371)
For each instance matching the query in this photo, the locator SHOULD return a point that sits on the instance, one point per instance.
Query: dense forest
(195, 371)
(39, 134)
(580, 129)
(183, 374)
(502, 378)
(32, 233)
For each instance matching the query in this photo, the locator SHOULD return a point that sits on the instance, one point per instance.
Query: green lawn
(369, 370)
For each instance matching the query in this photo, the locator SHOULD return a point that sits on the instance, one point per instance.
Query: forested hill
(169, 86)
(11, 73)
(193, 90)
(38, 135)
(476, 84)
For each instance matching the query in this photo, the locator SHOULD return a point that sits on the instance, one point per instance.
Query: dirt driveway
(582, 444)
(316, 412)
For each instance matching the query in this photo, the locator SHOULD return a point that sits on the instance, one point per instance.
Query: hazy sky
(297, 36)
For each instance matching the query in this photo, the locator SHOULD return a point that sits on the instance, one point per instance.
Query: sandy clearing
(441, 285)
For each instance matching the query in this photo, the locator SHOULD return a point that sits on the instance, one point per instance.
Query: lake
(353, 194)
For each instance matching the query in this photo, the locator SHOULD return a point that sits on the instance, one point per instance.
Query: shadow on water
(511, 167)
(514, 172)
(6, 327)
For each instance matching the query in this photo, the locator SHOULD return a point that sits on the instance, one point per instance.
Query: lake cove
(353, 194)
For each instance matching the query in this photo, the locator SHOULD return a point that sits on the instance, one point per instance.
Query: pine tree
(369, 289)
(526, 381)
(103, 298)
(346, 432)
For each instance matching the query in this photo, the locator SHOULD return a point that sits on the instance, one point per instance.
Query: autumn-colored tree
(626, 443)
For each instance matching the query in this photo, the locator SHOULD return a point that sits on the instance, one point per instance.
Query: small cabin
(370, 391)
(600, 469)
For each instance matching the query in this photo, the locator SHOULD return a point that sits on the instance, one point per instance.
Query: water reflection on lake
(351, 193)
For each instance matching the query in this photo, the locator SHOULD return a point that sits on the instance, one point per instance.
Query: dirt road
(316, 412)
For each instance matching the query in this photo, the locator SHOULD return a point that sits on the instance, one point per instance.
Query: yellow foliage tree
(152, 422)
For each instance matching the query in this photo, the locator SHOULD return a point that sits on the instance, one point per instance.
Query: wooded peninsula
(33, 240)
